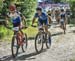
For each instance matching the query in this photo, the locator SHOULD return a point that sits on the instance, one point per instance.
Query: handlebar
(24, 27)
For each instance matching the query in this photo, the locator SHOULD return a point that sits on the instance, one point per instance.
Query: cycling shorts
(62, 21)
(43, 22)
(16, 24)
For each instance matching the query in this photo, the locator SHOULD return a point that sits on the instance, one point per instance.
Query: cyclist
(15, 18)
(42, 20)
(63, 19)
(57, 13)
(68, 14)
(49, 16)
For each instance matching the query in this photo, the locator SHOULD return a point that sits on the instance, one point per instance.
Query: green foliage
(73, 9)
(56, 1)
(4, 32)
(28, 7)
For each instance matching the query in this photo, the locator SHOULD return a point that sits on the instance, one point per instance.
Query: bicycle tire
(36, 48)
(64, 29)
(12, 45)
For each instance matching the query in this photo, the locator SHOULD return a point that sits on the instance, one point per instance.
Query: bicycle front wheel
(39, 43)
(14, 46)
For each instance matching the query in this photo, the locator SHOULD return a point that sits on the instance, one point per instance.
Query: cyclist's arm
(24, 19)
(6, 20)
(35, 16)
(33, 20)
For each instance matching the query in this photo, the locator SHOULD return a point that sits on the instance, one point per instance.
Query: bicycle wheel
(14, 46)
(64, 29)
(25, 43)
(48, 41)
(39, 43)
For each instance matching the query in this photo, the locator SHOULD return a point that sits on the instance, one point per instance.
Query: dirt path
(62, 48)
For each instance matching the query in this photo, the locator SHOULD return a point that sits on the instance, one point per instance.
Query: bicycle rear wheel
(48, 41)
(64, 29)
(25, 43)
(39, 43)
(14, 46)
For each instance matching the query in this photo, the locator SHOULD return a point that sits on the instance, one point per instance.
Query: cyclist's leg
(61, 23)
(49, 19)
(46, 26)
(20, 29)
(46, 30)
(65, 22)
(58, 19)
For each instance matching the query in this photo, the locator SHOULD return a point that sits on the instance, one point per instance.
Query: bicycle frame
(19, 37)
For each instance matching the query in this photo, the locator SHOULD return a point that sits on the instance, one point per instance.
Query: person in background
(57, 13)
(49, 16)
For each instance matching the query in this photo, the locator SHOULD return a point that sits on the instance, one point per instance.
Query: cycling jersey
(15, 19)
(43, 18)
(62, 15)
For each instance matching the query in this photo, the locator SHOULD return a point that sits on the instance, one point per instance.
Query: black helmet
(39, 8)
(62, 10)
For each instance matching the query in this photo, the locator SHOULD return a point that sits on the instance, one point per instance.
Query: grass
(31, 32)
(6, 34)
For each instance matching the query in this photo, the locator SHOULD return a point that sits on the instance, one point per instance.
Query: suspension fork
(19, 37)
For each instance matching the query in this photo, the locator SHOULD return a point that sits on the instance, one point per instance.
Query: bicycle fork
(20, 39)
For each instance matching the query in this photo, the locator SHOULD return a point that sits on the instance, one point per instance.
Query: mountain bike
(42, 38)
(18, 40)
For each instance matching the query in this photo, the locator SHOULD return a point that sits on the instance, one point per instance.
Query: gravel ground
(62, 48)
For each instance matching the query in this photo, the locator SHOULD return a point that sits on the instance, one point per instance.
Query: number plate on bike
(62, 20)
(16, 28)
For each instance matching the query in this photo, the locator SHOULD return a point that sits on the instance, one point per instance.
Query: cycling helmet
(48, 11)
(39, 8)
(62, 10)
(12, 7)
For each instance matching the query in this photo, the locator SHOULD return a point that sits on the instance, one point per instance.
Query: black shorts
(41, 22)
(16, 24)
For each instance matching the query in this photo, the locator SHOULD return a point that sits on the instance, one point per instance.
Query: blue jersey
(15, 18)
(42, 17)
(62, 15)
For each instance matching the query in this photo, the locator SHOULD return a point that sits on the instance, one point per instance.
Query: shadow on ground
(59, 33)
(29, 56)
